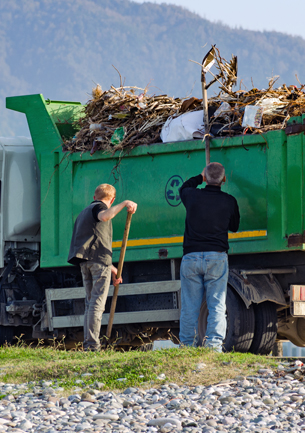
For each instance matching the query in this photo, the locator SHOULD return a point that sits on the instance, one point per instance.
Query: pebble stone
(271, 401)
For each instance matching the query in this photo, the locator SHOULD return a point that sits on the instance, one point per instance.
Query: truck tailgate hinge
(296, 240)
(295, 128)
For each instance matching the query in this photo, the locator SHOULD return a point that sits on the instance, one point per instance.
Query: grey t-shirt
(98, 208)
(92, 238)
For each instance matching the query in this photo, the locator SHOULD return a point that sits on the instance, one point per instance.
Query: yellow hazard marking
(249, 234)
(179, 239)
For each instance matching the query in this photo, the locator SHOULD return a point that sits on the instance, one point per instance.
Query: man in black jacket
(91, 248)
(210, 214)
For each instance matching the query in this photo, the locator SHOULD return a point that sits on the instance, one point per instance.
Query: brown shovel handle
(120, 268)
(205, 118)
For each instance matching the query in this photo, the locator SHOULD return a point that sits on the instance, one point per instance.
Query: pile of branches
(279, 105)
(120, 119)
(226, 111)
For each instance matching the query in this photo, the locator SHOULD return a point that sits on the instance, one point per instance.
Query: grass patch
(69, 369)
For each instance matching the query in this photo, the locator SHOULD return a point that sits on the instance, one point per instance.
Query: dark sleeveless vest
(91, 240)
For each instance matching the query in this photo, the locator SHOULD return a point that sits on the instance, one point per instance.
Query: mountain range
(63, 48)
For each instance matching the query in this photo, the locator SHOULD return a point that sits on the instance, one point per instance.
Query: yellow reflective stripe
(179, 239)
(152, 241)
(249, 234)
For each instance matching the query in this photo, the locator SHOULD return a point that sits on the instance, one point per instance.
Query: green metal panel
(295, 184)
(45, 119)
(264, 173)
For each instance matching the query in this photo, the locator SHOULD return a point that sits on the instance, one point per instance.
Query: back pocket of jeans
(216, 267)
(188, 266)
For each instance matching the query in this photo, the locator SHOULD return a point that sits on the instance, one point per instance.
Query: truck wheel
(240, 323)
(265, 328)
(6, 334)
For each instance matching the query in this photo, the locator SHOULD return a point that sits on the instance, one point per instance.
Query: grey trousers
(96, 279)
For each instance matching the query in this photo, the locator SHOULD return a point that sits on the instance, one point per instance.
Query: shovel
(205, 118)
(207, 62)
(119, 274)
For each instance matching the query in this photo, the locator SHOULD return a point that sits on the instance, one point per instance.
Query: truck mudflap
(255, 289)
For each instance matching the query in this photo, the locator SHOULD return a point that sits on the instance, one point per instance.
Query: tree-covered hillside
(61, 48)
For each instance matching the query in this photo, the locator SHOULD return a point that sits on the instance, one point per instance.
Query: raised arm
(108, 214)
(193, 182)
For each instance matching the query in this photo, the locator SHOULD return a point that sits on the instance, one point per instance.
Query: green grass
(20, 364)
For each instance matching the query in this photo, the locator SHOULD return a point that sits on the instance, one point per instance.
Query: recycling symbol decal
(172, 189)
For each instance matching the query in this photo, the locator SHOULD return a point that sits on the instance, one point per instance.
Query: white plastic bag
(187, 126)
(272, 105)
(224, 108)
(252, 116)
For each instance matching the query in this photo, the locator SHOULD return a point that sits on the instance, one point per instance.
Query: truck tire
(240, 323)
(265, 331)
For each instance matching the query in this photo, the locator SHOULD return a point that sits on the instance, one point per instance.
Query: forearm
(193, 182)
(110, 213)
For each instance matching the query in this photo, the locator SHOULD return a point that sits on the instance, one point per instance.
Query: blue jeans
(204, 273)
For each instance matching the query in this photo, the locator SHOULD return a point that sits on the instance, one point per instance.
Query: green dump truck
(43, 189)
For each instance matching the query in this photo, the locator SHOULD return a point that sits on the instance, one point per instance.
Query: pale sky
(282, 16)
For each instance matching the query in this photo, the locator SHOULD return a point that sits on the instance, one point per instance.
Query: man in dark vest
(210, 213)
(91, 248)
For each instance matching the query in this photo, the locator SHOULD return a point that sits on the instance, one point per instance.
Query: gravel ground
(271, 401)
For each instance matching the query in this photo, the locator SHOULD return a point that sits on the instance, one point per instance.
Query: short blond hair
(104, 191)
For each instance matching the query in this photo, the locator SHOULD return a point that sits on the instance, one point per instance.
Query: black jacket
(210, 214)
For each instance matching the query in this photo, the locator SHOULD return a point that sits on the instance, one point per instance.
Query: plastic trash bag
(272, 105)
(185, 127)
(95, 127)
(224, 108)
(252, 116)
(118, 135)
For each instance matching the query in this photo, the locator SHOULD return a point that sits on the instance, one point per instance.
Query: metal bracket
(20, 308)
(173, 269)
(175, 300)
(295, 240)
(31, 269)
(244, 273)
(295, 128)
